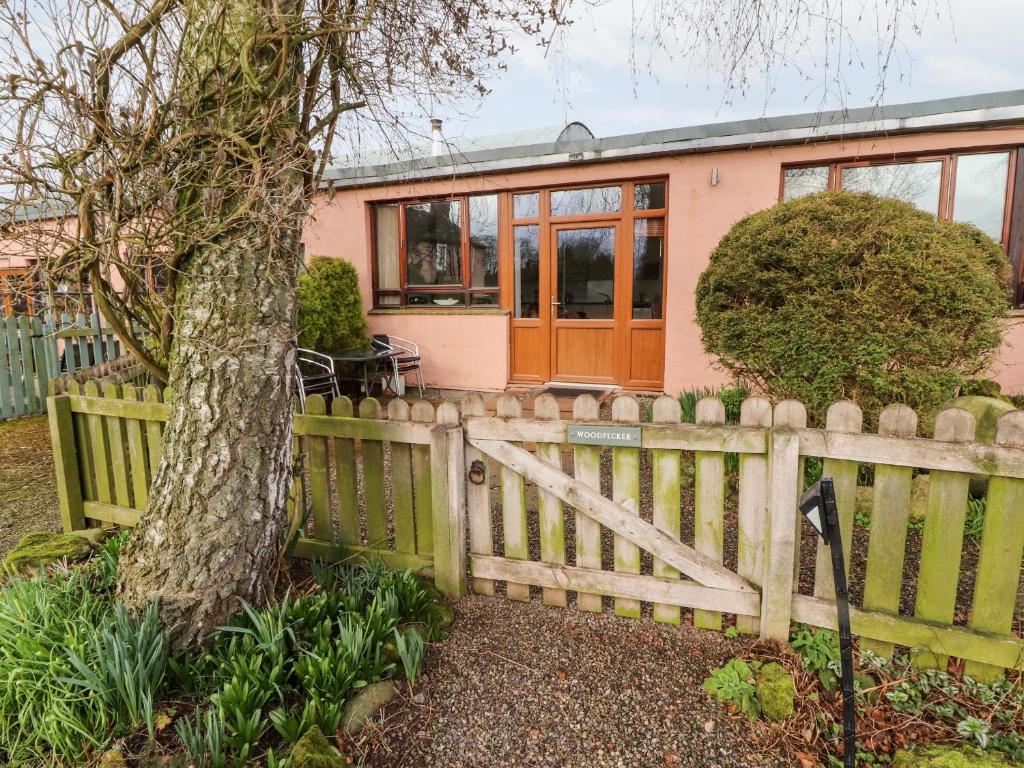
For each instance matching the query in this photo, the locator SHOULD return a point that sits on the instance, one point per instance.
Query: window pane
(916, 183)
(648, 260)
(483, 241)
(797, 182)
(389, 300)
(571, 202)
(526, 206)
(526, 260)
(486, 299)
(648, 196)
(387, 247)
(980, 197)
(586, 273)
(433, 243)
(417, 299)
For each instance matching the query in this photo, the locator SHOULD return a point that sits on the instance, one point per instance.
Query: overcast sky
(964, 47)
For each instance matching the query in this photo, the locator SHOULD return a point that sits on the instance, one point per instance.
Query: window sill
(1017, 312)
(439, 311)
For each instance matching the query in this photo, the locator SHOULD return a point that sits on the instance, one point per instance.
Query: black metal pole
(834, 538)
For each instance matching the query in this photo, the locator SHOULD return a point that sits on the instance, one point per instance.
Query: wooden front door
(585, 302)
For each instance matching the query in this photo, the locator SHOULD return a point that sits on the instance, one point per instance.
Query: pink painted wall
(698, 216)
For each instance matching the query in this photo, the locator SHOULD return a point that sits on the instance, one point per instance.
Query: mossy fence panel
(694, 523)
(354, 493)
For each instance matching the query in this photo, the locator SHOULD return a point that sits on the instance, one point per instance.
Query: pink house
(560, 257)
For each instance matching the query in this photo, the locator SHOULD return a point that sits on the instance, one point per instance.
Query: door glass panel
(433, 234)
(916, 183)
(586, 273)
(572, 202)
(980, 197)
(526, 258)
(483, 241)
(648, 258)
(797, 182)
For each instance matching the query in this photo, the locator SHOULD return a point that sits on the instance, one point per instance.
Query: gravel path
(28, 491)
(520, 684)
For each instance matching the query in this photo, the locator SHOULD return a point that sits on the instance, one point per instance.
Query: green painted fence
(35, 350)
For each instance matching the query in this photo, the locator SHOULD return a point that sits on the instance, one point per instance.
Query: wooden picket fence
(36, 350)
(575, 522)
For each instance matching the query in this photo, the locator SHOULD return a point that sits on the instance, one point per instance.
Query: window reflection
(573, 202)
(980, 196)
(915, 183)
(586, 273)
(798, 182)
(526, 206)
(526, 256)
(483, 241)
(433, 243)
(648, 261)
(647, 197)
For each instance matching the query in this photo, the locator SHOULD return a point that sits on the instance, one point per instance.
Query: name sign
(602, 434)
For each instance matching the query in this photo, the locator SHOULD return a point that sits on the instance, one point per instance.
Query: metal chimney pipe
(437, 145)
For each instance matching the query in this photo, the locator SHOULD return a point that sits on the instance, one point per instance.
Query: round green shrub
(841, 295)
(331, 314)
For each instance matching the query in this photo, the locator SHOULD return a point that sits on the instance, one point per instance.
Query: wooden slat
(14, 357)
(846, 417)
(65, 464)
(6, 368)
(777, 588)
(41, 358)
(136, 453)
(950, 641)
(401, 483)
(977, 458)
(942, 542)
(709, 502)
(422, 412)
(665, 477)
(331, 426)
(478, 497)
(100, 451)
(1002, 547)
(687, 437)
(111, 514)
(587, 471)
(549, 506)
(318, 473)
(27, 364)
(614, 516)
(118, 456)
(626, 493)
(375, 504)
(752, 506)
(345, 478)
(322, 550)
(449, 492)
(662, 591)
(97, 340)
(83, 445)
(154, 432)
(889, 515)
(145, 411)
(794, 415)
(513, 505)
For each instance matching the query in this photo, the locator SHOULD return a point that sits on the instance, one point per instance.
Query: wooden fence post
(665, 476)
(401, 483)
(709, 501)
(448, 490)
(478, 497)
(752, 506)
(780, 542)
(65, 463)
(587, 470)
(513, 506)
(1002, 546)
(550, 521)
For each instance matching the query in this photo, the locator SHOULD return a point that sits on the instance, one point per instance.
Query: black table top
(361, 355)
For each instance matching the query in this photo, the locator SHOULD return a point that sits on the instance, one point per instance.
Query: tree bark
(212, 527)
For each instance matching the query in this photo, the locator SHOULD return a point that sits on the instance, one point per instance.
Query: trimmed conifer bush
(331, 315)
(842, 295)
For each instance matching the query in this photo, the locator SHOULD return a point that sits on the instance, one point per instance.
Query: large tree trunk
(212, 527)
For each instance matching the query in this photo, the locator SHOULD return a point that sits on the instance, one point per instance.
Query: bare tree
(165, 152)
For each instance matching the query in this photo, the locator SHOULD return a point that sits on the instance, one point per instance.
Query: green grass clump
(78, 671)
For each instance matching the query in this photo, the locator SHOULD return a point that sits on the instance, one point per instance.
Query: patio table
(366, 358)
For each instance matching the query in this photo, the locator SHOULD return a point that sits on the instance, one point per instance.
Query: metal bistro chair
(406, 359)
(314, 375)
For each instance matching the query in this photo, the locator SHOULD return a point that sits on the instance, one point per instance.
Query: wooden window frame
(465, 290)
(1012, 236)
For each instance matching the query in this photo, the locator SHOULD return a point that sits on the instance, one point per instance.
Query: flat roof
(983, 110)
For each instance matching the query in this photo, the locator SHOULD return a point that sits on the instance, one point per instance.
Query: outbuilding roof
(525, 150)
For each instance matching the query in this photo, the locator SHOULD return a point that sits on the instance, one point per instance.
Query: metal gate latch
(477, 472)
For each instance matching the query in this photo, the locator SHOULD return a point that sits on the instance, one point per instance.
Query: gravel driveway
(520, 684)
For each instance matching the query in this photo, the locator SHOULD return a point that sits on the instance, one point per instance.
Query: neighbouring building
(556, 256)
